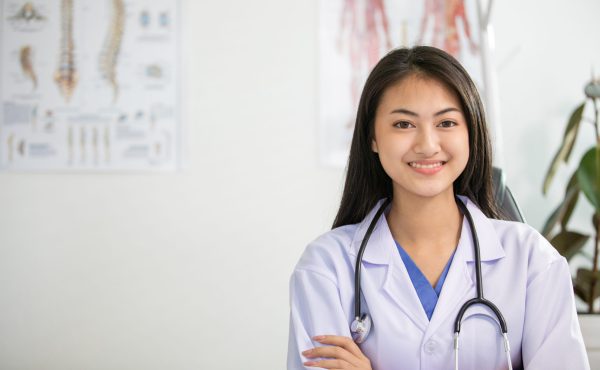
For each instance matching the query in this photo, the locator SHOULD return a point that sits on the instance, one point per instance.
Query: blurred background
(190, 269)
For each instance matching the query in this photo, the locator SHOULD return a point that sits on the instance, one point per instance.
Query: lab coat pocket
(480, 343)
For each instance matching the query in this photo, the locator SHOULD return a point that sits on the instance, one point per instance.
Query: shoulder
(528, 240)
(525, 244)
(328, 253)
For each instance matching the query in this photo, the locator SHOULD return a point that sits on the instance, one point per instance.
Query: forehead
(421, 93)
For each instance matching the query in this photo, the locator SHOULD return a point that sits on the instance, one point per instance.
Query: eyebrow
(411, 113)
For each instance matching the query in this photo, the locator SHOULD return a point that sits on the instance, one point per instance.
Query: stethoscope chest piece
(360, 328)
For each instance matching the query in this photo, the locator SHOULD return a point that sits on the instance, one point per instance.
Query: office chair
(504, 197)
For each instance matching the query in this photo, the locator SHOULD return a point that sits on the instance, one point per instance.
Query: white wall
(544, 57)
(190, 270)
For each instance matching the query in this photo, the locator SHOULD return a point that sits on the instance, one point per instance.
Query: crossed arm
(338, 353)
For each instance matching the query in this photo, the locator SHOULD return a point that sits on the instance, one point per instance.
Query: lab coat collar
(382, 251)
(378, 251)
(459, 280)
(381, 244)
(489, 243)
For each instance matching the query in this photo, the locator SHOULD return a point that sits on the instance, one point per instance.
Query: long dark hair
(367, 182)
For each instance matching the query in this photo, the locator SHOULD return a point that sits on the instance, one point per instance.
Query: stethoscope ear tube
(501, 321)
(484, 302)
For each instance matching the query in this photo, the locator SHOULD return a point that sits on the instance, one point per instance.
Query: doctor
(420, 139)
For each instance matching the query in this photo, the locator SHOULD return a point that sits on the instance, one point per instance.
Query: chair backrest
(504, 198)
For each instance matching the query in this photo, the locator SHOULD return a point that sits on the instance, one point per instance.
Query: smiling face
(421, 136)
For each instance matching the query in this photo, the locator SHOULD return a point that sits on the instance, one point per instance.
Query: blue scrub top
(428, 295)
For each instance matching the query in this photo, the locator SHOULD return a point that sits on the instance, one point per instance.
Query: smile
(426, 165)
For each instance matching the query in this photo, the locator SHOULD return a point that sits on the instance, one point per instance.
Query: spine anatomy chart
(27, 65)
(112, 45)
(89, 85)
(66, 75)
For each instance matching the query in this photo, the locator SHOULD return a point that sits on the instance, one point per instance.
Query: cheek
(392, 157)
(460, 148)
(392, 152)
(459, 141)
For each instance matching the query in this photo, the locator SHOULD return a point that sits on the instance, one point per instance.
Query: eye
(447, 124)
(403, 124)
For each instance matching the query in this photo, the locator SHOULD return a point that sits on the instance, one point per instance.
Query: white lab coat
(523, 276)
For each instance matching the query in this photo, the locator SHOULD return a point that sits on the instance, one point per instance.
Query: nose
(426, 143)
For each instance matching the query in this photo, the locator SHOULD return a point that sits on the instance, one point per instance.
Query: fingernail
(307, 352)
(319, 338)
(310, 363)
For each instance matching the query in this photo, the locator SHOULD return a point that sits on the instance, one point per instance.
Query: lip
(427, 167)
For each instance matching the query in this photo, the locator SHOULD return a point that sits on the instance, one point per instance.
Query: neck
(425, 224)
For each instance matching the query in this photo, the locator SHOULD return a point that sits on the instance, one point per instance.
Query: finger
(344, 342)
(329, 364)
(332, 352)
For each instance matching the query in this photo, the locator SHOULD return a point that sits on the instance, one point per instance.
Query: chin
(431, 194)
(426, 192)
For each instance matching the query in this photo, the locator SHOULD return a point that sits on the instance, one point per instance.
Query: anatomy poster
(89, 85)
(355, 34)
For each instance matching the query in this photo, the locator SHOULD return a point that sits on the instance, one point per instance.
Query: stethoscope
(361, 326)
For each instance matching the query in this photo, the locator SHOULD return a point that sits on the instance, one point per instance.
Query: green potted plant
(585, 179)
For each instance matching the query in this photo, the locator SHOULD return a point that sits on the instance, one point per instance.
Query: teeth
(432, 165)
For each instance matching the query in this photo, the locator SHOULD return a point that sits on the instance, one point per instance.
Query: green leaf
(563, 212)
(588, 175)
(583, 282)
(579, 291)
(564, 152)
(573, 126)
(552, 220)
(571, 198)
(569, 243)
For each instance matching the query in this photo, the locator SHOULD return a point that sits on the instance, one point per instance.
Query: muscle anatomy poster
(89, 85)
(355, 34)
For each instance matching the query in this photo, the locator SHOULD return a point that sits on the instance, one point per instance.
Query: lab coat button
(430, 346)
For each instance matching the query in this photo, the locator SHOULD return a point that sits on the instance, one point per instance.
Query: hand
(342, 353)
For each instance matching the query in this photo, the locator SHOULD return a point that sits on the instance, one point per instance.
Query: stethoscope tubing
(479, 299)
(361, 251)
(479, 281)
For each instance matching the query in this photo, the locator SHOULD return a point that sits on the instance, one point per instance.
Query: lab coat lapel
(396, 283)
(489, 244)
(401, 291)
(459, 284)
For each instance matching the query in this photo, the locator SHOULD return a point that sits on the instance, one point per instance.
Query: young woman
(421, 156)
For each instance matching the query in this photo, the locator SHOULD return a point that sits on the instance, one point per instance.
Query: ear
(374, 146)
